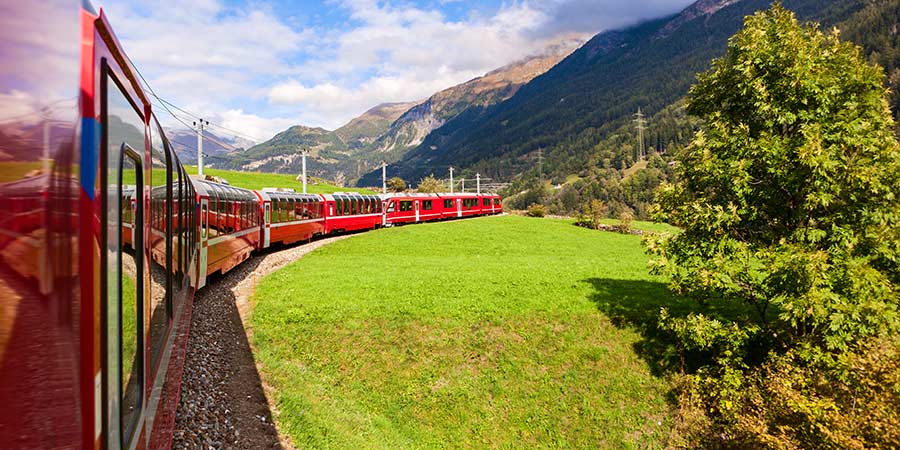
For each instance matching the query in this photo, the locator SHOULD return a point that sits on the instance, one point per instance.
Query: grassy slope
(490, 332)
(259, 180)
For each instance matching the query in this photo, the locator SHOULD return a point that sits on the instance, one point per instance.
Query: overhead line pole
(303, 153)
(200, 126)
(641, 126)
(451, 179)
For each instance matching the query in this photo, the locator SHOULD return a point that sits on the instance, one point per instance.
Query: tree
(396, 184)
(788, 202)
(429, 185)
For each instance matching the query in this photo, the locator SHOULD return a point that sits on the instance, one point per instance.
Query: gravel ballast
(222, 404)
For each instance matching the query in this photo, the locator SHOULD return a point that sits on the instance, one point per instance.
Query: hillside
(495, 86)
(579, 113)
(332, 153)
(363, 130)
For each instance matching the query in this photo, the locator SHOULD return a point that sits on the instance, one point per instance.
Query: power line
(165, 103)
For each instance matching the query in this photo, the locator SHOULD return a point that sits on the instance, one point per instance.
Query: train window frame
(126, 432)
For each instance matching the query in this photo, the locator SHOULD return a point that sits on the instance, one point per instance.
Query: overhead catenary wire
(165, 104)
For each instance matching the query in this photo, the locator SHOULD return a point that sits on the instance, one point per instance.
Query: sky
(257, 67)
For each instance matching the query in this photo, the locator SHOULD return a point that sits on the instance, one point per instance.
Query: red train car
(412, 208)
(290, 217)
(97, 240)
(230, 226)
(350, 211)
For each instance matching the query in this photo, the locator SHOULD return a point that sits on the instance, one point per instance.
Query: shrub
(625, 220)
(536, 210)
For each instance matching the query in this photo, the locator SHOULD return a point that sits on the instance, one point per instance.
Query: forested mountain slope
(578, 114)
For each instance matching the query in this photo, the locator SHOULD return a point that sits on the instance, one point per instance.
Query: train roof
(280, 195)
(349, 195)
(209, 188)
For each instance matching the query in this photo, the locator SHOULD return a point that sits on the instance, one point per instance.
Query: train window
(448, 204)
(427, 205)
(161, 282)
(406, 205)
(392, 206)
(486, 202)
(123, 303)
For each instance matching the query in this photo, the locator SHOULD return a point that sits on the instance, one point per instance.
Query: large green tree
(788, 202)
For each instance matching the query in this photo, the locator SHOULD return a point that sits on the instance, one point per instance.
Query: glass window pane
(124, 127)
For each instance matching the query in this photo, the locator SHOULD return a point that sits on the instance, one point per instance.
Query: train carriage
(98, 270)
(412, 208)
(289, 217)
(230, 226)
(351, 211)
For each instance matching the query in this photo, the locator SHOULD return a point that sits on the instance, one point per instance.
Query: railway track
(222, 403)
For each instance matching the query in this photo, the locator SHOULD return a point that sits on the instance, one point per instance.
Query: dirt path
(223, 402)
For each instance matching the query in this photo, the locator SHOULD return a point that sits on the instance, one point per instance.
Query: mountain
(364, 129)
(578, 115)
(412, 127)
(216, 148)
(387, 131)
(333, 154)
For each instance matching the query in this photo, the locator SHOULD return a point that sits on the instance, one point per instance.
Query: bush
(396, 184)
(430, 185)
(625, 220)
(536, 210)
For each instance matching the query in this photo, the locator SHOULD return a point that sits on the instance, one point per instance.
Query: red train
(104, 238)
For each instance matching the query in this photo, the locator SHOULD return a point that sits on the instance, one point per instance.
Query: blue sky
(260, 66)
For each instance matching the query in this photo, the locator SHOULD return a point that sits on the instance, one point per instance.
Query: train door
(267, 223)
(459, 207)
(417, 209)
(203, 243)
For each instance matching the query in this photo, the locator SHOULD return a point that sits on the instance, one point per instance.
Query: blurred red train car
(97, 240)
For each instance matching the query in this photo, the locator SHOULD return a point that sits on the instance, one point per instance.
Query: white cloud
(251, 126)
(263, 69)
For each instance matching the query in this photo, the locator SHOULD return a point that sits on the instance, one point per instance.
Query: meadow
(259, 180)
(501, 332)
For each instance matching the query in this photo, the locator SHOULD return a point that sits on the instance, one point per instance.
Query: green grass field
(259, 180)
(502, 332)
